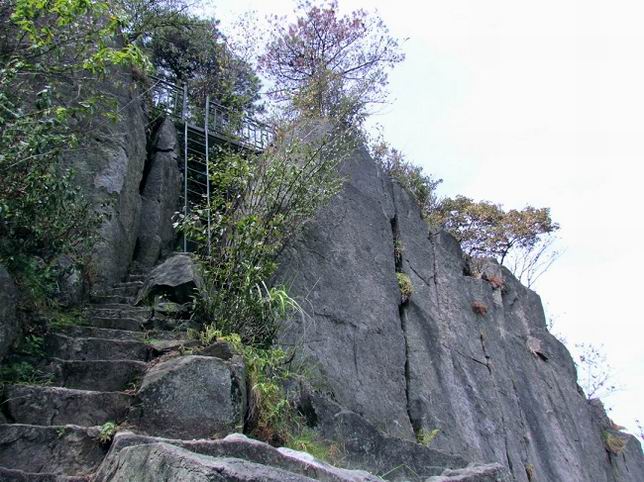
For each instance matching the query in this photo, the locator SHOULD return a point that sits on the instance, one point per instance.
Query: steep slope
(497, 385)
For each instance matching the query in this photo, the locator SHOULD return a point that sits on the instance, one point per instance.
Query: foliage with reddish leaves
(328, 64)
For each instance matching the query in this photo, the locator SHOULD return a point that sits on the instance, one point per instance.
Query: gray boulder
(192, 397)
(134, 457)
(161, 185)
(154, 462)
(475, 473)
(9, 328)
(176, 279)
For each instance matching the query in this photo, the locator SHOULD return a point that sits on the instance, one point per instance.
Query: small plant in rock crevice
(309, 441)
(614, 443)
(495, 281)
(426, 437)
(531, 472)
(106, 432)
(399, 250)
(479, 308)
(405, 286)
(23, 373)
(32, 345)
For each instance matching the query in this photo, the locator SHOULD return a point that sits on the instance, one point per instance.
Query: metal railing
(223, 123)
(199, 124)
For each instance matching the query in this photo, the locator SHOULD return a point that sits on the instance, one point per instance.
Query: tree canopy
(517, 238)
(325, 63)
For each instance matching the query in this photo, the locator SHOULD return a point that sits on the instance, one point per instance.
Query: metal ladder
(200, 127)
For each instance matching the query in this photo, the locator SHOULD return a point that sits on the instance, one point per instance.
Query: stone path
(54, 429)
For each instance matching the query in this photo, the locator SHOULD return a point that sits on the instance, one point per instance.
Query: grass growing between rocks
(614, 443)
(23, 373)
(426, 437)
(405, 286)
(106, 432)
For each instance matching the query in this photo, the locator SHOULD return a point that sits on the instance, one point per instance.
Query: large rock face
(160, 192)
(498, 386)
(8, 320)
(109, 168)
(344, 272)
(233, 458)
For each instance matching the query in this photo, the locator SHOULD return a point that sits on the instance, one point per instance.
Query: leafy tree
(59, 50)
(194, 50)
(186, 48)
(326, 64)
(519, 239)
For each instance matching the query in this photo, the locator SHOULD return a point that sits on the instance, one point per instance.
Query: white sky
(523, 102)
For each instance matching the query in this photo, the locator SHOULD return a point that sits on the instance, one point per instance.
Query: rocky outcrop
(192, 397)
(109, 168)
(160, 191)
(176, 280)
(343, 271)
(233, 458)
(8, 316)
(435, 363)
(364, 447)
(129, 171)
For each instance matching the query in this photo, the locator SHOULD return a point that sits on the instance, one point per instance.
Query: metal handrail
(224, 122)
(219, 122)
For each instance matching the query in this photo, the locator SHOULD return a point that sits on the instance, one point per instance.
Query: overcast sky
(523, 102)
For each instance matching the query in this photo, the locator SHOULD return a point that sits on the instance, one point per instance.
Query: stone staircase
(53, 431)
(176, 406)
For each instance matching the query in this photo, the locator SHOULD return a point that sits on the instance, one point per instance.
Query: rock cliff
(465, 364)
(488, 379)
(129, 171)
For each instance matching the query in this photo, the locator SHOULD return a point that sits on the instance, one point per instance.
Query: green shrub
(106, 432)
(309, 441)
(426, 437)
(32, 345)
(46, 48)
(405, 286)
(258, 203)
(270, 415)
(411, 177)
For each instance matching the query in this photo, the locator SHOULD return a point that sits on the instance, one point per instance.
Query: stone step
(136, 277)
(97, 332)
(118, 334)
(57, 449)
(125, 289)
(13, 475)
(66, 347)
(39, 405)
(99, 375)
(109, 299)
(122, 324)
(121, 310)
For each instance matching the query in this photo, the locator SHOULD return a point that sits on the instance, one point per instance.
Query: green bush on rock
(258, 203)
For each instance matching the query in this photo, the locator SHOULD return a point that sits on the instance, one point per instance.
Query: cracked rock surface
(496, 387)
